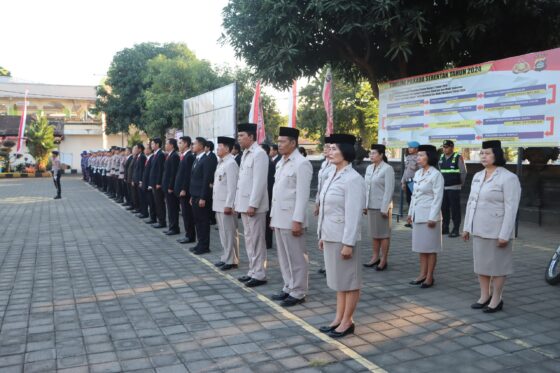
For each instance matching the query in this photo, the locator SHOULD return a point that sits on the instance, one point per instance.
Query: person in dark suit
(237, 153)
(182, 184)
(137, 176)
(270, 186)
(156, 177)
(171, 165)
(202, 177)
(274, 155)
(209, 151)
(129, 159)
(147, 187)
(130, 169)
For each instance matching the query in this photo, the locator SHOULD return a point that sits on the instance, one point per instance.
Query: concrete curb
(16, 175)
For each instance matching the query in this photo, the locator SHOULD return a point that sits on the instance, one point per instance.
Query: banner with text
(514, 100)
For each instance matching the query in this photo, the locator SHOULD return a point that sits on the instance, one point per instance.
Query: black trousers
(172, 211)
(451, 209)
(268, 231)
(135, 197)
(151, 204)
(56, 180)
(202, 223)
(188, 218)
(159, 201)
(142, 199)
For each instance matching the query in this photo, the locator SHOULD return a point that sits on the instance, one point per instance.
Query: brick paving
(85, 286)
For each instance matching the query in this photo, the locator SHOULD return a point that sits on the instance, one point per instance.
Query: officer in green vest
(454, 172)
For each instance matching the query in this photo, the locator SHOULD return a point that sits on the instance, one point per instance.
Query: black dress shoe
(291, 301)
(158, 225)
(408, 225)
(172, 233)
(219, 264)
(254, 283)
(492, 310)
(372, 264)
(142, 216)
(227, 267)
(280, 296)
(201, 251)
(378, 268)
(193, 249)
(426, 286)
(334, 334)
(478, 306)
(244, 278)
(151, 222)
(130, 208)
(326, 329)
(322, 271)
(57, 197)
(185, 240)
(414, 282)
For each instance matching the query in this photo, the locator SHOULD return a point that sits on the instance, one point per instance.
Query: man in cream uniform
(251, 200)
(289, 217)
(223, 197)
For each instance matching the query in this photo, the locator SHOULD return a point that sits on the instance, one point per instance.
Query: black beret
(289, 131)
(379, 147)
(343, 138)
(491, 144)
(427, 148)
(247, 127)
(226, 140)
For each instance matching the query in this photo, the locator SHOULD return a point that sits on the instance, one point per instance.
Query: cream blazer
(380, 181)
(494, 203)
(225, 184)
(427, 196)
(252, 183)
(290, 195)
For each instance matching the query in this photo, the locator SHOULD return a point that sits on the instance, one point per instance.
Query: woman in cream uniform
(490, 219)
(342, 201)
(425, 214)
(322, 175)
(380, 185)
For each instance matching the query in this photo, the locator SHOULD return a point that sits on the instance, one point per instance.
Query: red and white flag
(256, 114)
(22, 121)
(292, 109)
(328, 102)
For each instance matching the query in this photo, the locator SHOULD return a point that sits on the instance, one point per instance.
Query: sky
(73, 42)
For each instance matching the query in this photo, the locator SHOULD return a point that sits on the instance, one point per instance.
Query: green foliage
(5, 149)
(121, 97)
(169, 82)
(246, 82)
(134, 138)
(40, 141)
(4, 72)
(355, 109)
(383, 39)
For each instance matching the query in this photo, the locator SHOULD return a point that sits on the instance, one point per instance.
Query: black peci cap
(247, 127)
(379, 147)
(226, 140)
(289, 131)
(343, 138)
(492, 144)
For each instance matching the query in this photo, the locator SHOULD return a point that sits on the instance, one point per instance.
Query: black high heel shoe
(369, 265)
(492, 310)
(426, 286)
(378, 268)
(334, 334)
(327, 329)
(477, 306)
(414, 282)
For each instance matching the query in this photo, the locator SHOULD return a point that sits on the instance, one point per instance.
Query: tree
(169, 82)
(4, 72)
(384, 39)
(246, 82)
(40, 141)
(355, 108)
(121, 96)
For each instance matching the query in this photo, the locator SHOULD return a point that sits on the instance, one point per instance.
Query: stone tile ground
(87, 287)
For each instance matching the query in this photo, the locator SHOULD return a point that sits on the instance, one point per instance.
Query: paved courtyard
(85, 286)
